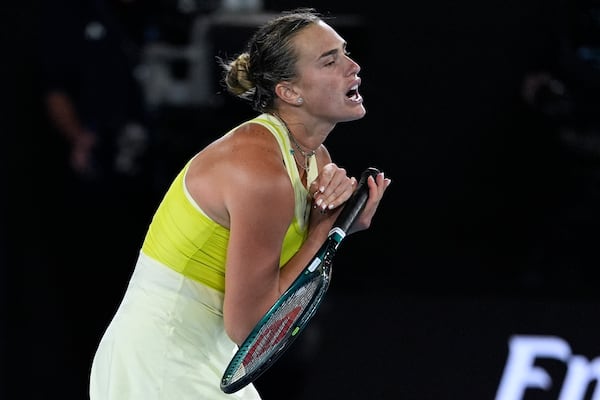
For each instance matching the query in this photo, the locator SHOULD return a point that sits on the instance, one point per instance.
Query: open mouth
(353, 94)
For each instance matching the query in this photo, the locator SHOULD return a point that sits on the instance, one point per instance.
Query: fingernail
(322, 189)
(319, 202)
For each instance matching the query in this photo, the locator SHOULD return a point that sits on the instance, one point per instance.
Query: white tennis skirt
(166, 341)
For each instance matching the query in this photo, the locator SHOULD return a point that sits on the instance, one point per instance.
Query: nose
(354, 68)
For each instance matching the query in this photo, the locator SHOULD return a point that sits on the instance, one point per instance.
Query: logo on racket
(271, 336)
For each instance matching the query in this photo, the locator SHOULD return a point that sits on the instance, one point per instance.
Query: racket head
(281, 325)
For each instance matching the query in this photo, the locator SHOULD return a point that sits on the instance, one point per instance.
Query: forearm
(63, 115)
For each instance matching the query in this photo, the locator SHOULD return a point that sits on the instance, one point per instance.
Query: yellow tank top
(182, 237)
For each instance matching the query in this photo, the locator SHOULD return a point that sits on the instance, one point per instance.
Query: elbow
(235, 332)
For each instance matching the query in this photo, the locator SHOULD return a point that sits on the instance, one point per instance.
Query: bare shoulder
(239, 170)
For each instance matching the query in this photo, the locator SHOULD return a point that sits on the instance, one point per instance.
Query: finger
(319, 186)
(340, 194)
(326, 176)
(314, 189)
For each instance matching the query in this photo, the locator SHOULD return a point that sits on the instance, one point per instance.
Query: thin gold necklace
(305, 154)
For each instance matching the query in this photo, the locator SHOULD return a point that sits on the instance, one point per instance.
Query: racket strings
(279, 327)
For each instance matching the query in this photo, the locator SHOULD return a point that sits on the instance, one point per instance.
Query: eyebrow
(329, 53)
(332, 52)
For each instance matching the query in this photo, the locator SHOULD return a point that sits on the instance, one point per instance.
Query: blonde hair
(269, 58)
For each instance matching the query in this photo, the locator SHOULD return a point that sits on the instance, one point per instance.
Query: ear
(286, 92)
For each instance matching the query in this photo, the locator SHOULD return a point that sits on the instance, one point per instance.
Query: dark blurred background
(484, 114)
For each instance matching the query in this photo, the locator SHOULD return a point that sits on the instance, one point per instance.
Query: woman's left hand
(377, 188)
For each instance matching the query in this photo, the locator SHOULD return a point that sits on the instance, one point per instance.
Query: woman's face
(327, 77)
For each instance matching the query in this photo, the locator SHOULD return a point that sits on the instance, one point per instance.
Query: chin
(359, 113)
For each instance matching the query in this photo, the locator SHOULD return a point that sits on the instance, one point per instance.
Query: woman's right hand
(331, 188)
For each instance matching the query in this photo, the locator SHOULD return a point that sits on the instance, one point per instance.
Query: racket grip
(356, 202)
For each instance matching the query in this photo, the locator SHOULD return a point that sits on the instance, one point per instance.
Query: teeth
(354, 97)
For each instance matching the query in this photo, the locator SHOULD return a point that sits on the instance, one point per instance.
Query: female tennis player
(240, 221)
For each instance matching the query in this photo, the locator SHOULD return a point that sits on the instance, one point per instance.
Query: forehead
(317, 39)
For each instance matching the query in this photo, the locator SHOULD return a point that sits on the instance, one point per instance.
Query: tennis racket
(290, 314)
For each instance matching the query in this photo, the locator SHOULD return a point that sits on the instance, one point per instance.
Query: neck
(304, 150)
(306, 153)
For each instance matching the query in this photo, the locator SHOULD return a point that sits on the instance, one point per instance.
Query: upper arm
(260, 207)
(259, 199)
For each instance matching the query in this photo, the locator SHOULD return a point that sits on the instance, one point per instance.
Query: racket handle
(356, 202)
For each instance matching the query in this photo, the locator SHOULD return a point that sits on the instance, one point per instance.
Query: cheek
(320, 88)
(322, 92)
